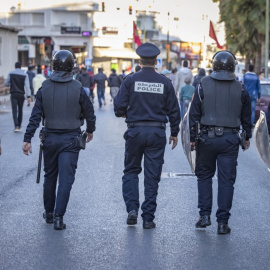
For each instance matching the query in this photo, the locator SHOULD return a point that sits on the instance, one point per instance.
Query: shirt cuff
(174, 134)
(27, 139)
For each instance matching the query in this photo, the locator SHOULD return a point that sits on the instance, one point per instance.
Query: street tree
(245, 28)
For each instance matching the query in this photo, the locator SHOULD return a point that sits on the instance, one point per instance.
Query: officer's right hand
(27, 147)
(89, 137)
(174, 140)
(247, 144)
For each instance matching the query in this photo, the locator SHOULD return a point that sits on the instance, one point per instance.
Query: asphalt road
(97, 236)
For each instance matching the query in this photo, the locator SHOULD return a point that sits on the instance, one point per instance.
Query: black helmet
(224, 63)
(63, 60)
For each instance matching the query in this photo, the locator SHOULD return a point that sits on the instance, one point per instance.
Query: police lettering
(146, 87)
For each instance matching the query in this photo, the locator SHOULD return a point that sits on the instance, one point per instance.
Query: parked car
(262, 104)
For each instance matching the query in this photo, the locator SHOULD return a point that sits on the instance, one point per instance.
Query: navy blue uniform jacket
(148, 96)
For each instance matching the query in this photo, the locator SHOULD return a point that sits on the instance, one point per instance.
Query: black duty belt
(146, 124)
(222, 129)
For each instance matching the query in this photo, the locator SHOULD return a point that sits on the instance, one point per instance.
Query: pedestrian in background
(197, 78)
(173, 78)
(19, 86)
(91, 73)
(86, 80)
(62, 103)
(31, 76)
(47, 72)
(166, 73)
(100, 80)
(180, 81)
(114, 83)
(186, 94)
(252, 84)
(242, 76)
(38, 80)
(145, 99)
(221, 105)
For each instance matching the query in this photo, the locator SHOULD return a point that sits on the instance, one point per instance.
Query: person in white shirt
(38, 80)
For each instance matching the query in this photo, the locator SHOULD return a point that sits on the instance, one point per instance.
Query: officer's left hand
(89, 137)
(247, 144)
(174, 140)
(27, 147)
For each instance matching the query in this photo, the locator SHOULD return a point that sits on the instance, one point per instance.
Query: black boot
(203, 222)
(59, 223)
(149, 224)
(132, 217)
(48, 217)
(223, 228)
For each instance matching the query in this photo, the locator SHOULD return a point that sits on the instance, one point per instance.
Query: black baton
(41, 136)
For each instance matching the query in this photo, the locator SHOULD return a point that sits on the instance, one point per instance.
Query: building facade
(47, 30)
(8, 49)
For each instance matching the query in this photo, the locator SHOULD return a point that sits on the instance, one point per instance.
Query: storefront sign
(109, 30)
(86, 33)
(70, 30)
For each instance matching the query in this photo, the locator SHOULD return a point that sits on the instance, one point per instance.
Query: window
(38, 18)
(14, 19)
(83, 20)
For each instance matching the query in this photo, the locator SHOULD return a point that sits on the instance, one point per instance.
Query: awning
(70, 41)
(115, 53)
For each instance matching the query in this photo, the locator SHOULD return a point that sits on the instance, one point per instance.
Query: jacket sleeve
(88, 112)
(27, 86)
(246, 112)
(173, 111)
(35, 118)
(181, 95)
(121, 101)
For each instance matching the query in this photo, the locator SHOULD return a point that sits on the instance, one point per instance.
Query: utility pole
(168, 44)
(266, 39)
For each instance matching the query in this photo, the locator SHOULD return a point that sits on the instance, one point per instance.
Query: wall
(8, 51)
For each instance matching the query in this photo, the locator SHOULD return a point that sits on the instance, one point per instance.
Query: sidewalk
(4, 99)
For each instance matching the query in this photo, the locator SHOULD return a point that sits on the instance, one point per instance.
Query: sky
(191, 26)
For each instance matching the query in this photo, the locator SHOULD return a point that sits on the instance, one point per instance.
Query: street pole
(168, 43)
(266, 39)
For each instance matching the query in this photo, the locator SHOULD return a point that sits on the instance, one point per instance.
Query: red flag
(136, 37)
(212, 35)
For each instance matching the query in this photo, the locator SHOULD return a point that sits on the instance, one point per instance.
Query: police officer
(63, 104)
(145, 99)
(221, 105)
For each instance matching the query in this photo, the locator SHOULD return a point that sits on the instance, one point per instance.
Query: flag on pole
(136, 38)
(212, 35)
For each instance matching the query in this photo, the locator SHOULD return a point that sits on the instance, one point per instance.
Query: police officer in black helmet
(63, 104)
(221, 105)
(145, 99)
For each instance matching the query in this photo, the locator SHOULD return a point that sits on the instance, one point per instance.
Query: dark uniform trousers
(17, 101)
(61, 153)
(222, 151)
(149, 142)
